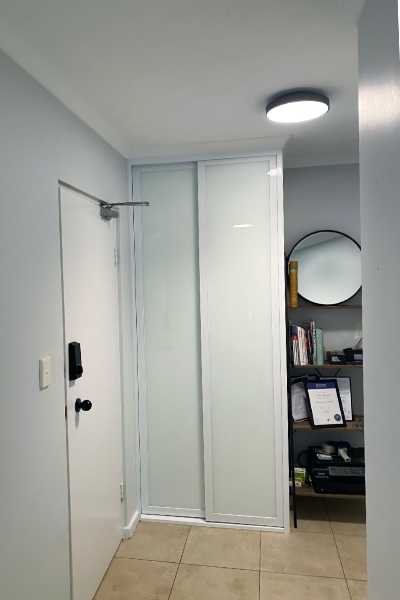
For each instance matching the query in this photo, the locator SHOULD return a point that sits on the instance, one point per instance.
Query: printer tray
(337, 487)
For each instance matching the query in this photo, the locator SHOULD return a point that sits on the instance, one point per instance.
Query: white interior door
(88, 244)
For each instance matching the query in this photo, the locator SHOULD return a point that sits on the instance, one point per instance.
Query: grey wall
(321, 198)
(40, 143)
(379, 104)
(326, 198)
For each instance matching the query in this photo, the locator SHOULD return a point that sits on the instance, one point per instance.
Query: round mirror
(329, 267)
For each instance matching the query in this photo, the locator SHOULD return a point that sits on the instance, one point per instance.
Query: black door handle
(82, 405)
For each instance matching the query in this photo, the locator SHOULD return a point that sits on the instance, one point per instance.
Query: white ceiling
(171, 77)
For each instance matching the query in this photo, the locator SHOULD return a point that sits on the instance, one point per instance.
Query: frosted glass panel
(172, 339)
(241, 390)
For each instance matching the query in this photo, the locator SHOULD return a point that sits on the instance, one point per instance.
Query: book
(314, 342)
(320, 346)
(293, 283)
(309, 340)
(301, 336)
(294, 345)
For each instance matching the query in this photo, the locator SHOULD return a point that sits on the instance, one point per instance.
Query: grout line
(184, 545)
(337, 549)
(220, 567)
(173, 583)
(312, 532)
(180, 562)
(352, 535)
(328, 514)
(341, 563)
(164, 562)
(348, 589)
(234, 568)
(303, 575)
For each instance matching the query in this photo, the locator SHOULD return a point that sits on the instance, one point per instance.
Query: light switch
(44, 372)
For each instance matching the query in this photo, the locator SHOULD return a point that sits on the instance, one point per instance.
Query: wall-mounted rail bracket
(107, 210)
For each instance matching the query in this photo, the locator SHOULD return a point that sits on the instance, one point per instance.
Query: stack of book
(307, 346)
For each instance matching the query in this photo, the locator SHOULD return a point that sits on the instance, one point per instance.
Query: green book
(320, 346)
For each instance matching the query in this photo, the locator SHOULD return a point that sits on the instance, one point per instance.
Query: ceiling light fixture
(297, 106)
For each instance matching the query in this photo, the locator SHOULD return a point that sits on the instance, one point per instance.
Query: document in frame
(299, 399)
(344, 386)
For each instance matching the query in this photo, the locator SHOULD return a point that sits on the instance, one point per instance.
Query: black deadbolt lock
(74, 360)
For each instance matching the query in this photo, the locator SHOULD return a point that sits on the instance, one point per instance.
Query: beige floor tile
(129, 579)
(300, 553)
(358, 589)
(194, 582)
(312, 516)
(276, 586)
(353, 554)
(232, 548)
(347, 516)
(155, 541)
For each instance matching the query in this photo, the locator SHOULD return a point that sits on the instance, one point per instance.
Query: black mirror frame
(303, 238)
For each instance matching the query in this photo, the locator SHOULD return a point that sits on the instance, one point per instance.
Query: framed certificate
(344, 387)
(324, 404)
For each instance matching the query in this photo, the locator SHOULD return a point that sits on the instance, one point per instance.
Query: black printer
(335, 476)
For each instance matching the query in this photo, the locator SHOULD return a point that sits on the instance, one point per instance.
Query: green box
(299, 476)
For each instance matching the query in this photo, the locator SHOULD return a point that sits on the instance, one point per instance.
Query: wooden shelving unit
(314, 307)
(356, 425)
(327, 366)
(309, 492)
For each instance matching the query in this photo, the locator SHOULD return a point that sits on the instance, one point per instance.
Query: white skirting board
(203, 523)
(130, 528)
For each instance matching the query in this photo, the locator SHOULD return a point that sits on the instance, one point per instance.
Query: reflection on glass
(329, 267)
(172, 339)
(240, 347)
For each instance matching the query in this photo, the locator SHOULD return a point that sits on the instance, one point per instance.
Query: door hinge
(115, 257)
(121, 491)
(65, 411)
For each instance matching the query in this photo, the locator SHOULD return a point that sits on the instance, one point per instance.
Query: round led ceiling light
(297, 107)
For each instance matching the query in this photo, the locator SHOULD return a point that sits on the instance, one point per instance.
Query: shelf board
(326, 366)
(325, 307)
(356, 425)
(309, 492)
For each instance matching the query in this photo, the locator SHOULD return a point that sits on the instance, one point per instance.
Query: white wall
(379, 103)
(40, 142)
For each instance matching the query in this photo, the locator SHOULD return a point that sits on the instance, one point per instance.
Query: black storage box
(336, 358)
(353, 355)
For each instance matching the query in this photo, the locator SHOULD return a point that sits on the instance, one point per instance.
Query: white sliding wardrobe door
(170, 402)
(241, 353)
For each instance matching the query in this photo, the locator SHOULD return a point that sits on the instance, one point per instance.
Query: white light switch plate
(44, 372)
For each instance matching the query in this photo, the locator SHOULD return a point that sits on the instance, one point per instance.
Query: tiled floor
(325, 558)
